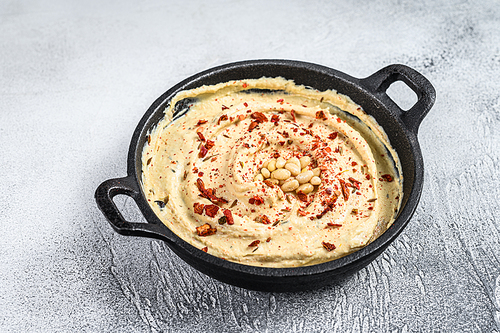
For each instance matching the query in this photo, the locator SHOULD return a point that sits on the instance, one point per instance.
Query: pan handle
(379, 82)
(104, 197)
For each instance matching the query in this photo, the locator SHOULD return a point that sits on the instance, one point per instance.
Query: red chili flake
(370, 208)
(195, 170)
(211, 210)
(275, 118)
(268, 183)
(333, 136)
(200, 174)
(208, 192)
(201, 122)
(254, 243)
(354, 163)
(328, 149)
(258, 200)
(333, 225)
(339, 120)
(259, 117)
(328, 246)
(222, 118)
(280, 101)
(245, 85)
(241, 117)
(302, 196)
(209, 144)
(252, 126)
(263, 219)
(355, 182)
(320, 115)
(282, 143)
(301, 212)
(345, 190)
(201, 136)
(330, 204)
(229, 216)
(368, 177)
(245, 104)
(205, 249)
(205, 230)
(224, 107)
(268, 239)
(203, 151)
(387, 177)
(329, 190)
(293, 115)
(198, 208)
(246, 145)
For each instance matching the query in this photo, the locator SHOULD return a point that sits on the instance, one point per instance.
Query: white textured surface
(76, 77)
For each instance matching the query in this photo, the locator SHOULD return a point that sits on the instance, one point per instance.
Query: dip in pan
(265, 172)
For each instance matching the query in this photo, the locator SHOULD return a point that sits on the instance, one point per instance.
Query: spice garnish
(222, 118)
(292, 112)
(328, 246)
(235, 202)
(333, 136)
(201, 136)
(201, 122)
(203, 151)
(224, 107)
(355, 182)
(208, 192)
(222, 219)
(371, 200)
(256, 200)
(333, 225)
(198, 208)
(252, 126)
(275, 118)
(268, 183)
(262, 219)
(254, 243)
(209, 144)
(209, 157)
(149, 161)
(345, 190)
(330, 204)
(320, 115)
(259, 117)
(301, 212)
(205, 230)
(302, 196)
(205, 249)
(387, 177)
(229, 216)
(211, 210)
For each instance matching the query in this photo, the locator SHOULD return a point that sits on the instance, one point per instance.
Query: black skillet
(400, 126)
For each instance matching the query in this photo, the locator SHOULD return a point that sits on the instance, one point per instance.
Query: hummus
(221, 176)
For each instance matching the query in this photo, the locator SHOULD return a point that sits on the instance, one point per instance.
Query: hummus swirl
(201, 173)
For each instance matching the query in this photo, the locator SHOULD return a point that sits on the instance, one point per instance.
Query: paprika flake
(205, 230)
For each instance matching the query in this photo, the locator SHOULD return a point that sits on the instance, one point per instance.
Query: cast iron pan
(401, 127)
